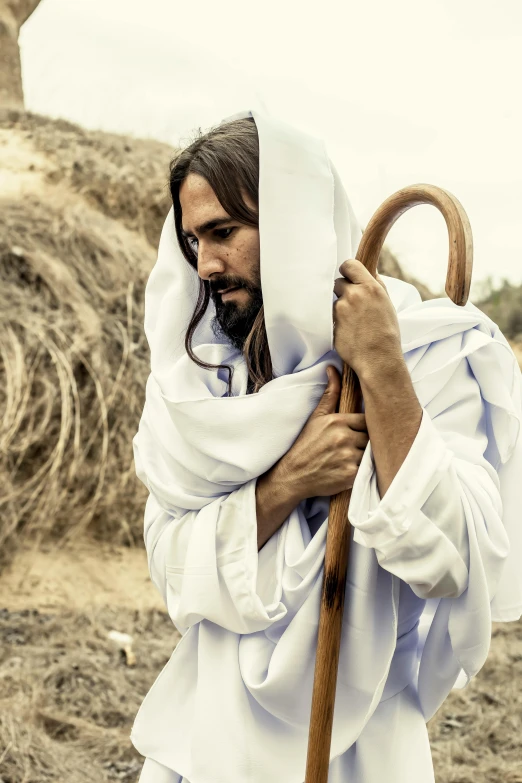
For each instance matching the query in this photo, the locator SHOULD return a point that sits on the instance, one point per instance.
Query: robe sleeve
(444, 493)
(205, 563)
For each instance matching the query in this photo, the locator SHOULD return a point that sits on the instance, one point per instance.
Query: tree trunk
(13, 13)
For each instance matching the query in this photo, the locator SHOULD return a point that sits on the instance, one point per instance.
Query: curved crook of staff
(458, 279)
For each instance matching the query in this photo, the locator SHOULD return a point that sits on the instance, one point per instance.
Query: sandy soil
(91, 574)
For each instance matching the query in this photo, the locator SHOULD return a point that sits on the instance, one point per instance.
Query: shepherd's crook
(458, 281)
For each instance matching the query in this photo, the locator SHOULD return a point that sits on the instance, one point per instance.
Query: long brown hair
(227, 156)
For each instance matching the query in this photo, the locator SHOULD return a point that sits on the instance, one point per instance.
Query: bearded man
(241, 448)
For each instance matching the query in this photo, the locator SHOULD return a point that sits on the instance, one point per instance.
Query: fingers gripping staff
(337, 441)
(363, 273)
(365, 320)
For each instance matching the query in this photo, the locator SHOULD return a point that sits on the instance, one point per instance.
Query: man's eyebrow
(208, 226)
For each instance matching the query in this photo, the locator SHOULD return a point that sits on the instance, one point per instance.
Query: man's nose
(209, 263)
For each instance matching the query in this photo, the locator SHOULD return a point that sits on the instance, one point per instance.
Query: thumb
(329, 401)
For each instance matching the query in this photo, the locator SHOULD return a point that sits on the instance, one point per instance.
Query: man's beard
(234, 321)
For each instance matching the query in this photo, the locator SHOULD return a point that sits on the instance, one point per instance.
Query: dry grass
(476, 736)
(67, 696)
(68, 700)
(75, 254)
(122, 177)
(504, 306)
(74, 366)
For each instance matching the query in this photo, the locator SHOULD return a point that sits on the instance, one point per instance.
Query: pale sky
(402, 92)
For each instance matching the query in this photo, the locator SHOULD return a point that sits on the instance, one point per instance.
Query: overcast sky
(401, 92)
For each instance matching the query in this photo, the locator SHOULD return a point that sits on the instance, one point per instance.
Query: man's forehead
(201, 209)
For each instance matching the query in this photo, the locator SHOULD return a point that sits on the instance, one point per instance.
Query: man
(367, 339)
(241, 468)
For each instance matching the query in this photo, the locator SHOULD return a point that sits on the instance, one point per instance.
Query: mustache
(215, 288)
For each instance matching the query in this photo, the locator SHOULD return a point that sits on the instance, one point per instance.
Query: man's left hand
(366, 328)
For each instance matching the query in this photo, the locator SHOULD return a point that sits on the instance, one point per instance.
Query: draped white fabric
(431, 563)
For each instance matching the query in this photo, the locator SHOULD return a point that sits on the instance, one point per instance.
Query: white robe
(430, 563)
(434, 546)
(393, 746)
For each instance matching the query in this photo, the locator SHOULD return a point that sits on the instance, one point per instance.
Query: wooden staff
(458, 281)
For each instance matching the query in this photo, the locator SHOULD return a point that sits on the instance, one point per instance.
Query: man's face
(228, 256)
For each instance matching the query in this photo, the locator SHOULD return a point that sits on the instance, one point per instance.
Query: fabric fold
(212, 572)
(412, 485)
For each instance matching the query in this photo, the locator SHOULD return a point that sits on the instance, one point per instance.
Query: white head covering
(311, 243)
(245, 666)
(306, 219)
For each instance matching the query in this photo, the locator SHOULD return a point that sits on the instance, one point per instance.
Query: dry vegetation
(68, 698)
(80, 218)
(504, 306)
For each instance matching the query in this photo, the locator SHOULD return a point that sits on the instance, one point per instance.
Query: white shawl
(233, 702)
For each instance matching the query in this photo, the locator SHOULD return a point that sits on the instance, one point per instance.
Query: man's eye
(190, 240)
(219, 232)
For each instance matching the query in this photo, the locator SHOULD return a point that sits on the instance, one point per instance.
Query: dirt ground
(68, 695)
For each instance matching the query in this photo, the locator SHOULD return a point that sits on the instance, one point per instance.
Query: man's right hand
(325, 458)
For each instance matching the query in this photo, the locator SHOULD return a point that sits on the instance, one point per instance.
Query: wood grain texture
(458, 280)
